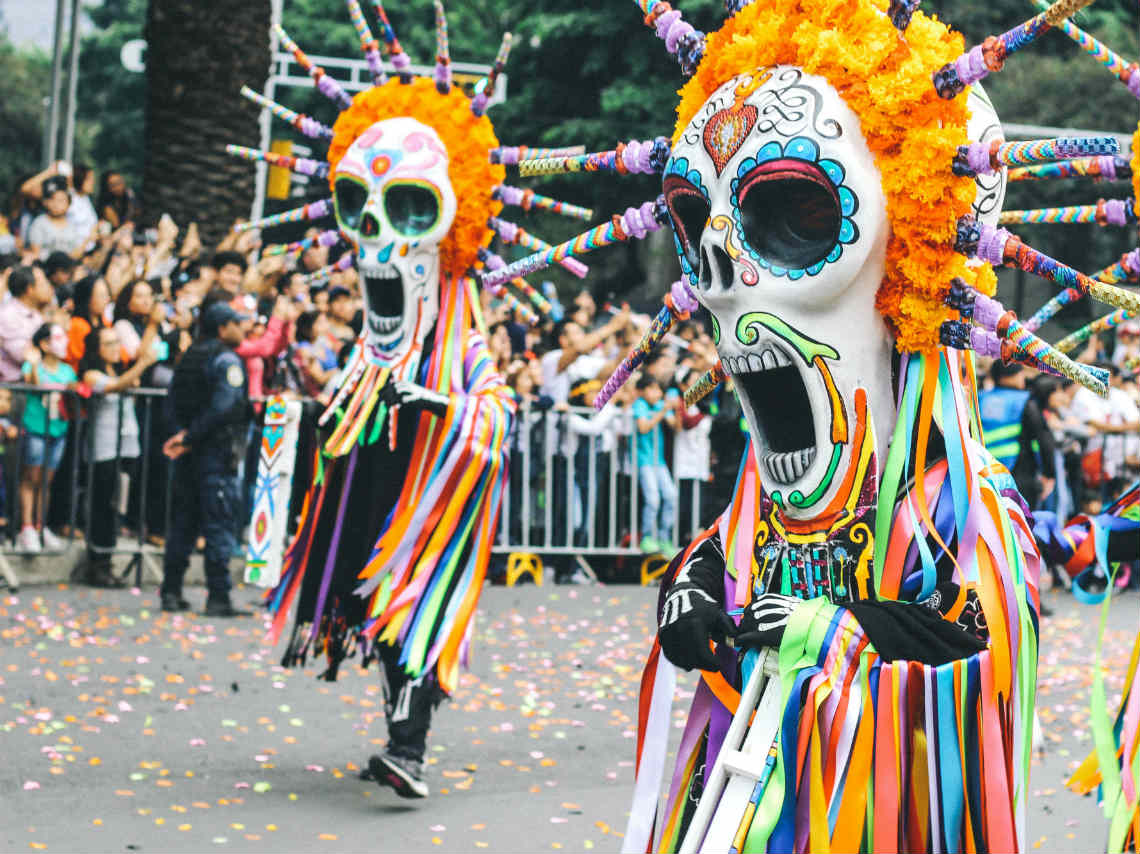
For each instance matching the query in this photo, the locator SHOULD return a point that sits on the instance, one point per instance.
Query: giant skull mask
(394, 200)
(781, 226)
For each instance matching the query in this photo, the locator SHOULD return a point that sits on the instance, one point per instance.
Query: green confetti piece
(228, 722)
(283, 709)
(296, 722)
(261, 787)
(137, 775)
(126, 621)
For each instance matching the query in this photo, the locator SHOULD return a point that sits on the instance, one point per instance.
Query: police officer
(209, 408)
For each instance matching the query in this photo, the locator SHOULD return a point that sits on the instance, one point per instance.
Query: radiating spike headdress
(833, 184)
(370, 172)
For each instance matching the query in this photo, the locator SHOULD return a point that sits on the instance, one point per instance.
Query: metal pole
(261, 174)
(72, 87)
(56, 82)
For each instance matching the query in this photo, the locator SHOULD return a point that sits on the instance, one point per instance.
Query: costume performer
(830, 207)
(389, 558)
(1090, 548)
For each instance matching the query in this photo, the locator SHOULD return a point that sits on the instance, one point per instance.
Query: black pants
(203, 499)
(408, 705)
(105, 507)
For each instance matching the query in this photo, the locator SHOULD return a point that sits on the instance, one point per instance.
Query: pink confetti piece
(557, 819)
(197, 742)
(124, 706)
(317, 768)
(437, 828)
(241, 785)
(29, 785)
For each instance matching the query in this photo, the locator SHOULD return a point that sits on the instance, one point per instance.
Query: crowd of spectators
(92, 302)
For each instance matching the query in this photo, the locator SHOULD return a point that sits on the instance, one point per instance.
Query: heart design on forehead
(726, 132)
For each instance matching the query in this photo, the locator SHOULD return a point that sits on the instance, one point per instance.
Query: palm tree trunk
(199, 53)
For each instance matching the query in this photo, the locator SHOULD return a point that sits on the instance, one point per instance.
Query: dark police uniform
(209, 399)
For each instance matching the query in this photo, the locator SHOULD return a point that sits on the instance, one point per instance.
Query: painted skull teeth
(774, 394)
(790, 467)
(384, 290)
(766, 360)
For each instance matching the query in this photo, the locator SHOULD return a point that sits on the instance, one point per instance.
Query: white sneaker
(53, 543)
(28, 540)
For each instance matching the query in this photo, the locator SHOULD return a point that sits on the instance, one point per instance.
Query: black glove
(403, 393)
(689, 618)
(764, 621)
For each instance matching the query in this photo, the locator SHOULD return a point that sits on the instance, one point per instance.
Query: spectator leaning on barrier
(209, 409)
(114, 446)
(116, 203)
(45, 433)
(20, 316)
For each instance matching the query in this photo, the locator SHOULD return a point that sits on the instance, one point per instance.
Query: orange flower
(885, 78)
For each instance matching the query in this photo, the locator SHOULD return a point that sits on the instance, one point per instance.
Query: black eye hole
(350, 198)
(411, 208)
(789, 213)
(689, 210)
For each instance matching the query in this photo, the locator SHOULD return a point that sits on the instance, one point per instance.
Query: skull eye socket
(789, 213)
(689, 211)
(350, 197)
(411, 208)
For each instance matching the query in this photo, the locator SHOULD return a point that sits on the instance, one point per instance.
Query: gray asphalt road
(124, 729)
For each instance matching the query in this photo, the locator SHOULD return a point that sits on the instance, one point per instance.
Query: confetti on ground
(186, 733)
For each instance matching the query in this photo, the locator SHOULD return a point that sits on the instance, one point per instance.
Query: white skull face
(781, 227)
(394, 200)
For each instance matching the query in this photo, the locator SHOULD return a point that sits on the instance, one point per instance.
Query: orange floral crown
(468, 139)
(884, 77)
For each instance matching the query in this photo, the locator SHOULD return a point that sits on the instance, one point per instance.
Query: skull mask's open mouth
(384, 291)
(772, 390)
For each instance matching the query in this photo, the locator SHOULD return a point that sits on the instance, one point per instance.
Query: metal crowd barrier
(582, 504)
(587, 503)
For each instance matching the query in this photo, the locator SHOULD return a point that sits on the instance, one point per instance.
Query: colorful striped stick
(1102, 324)
(527, 199)
(493, 262)
(974, 65)
(479, 102)
(679, 304)
(442, 51)
(1126, 73)
(325, 84)
(1127, 269)
(1104, 212)
(517, 235)
(703, 387)
(998, 247)
(325, 238)
(307, 125)
(344, 262)
(311, 211)
(985, 158)
(303, 165)
(509, 155)
(635, 222)
(1104, 168)
(633, 157)
(1009, 340)
(1046, 313)
(681, 39)
(369, 46)
(400, 60)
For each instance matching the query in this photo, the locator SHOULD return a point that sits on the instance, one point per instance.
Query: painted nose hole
(716, 269)
(369, 225)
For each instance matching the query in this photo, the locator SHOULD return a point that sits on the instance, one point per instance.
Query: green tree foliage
(111, 99)
(24, 76)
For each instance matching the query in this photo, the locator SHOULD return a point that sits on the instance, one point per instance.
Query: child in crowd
(658, 492)
(45, 429)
